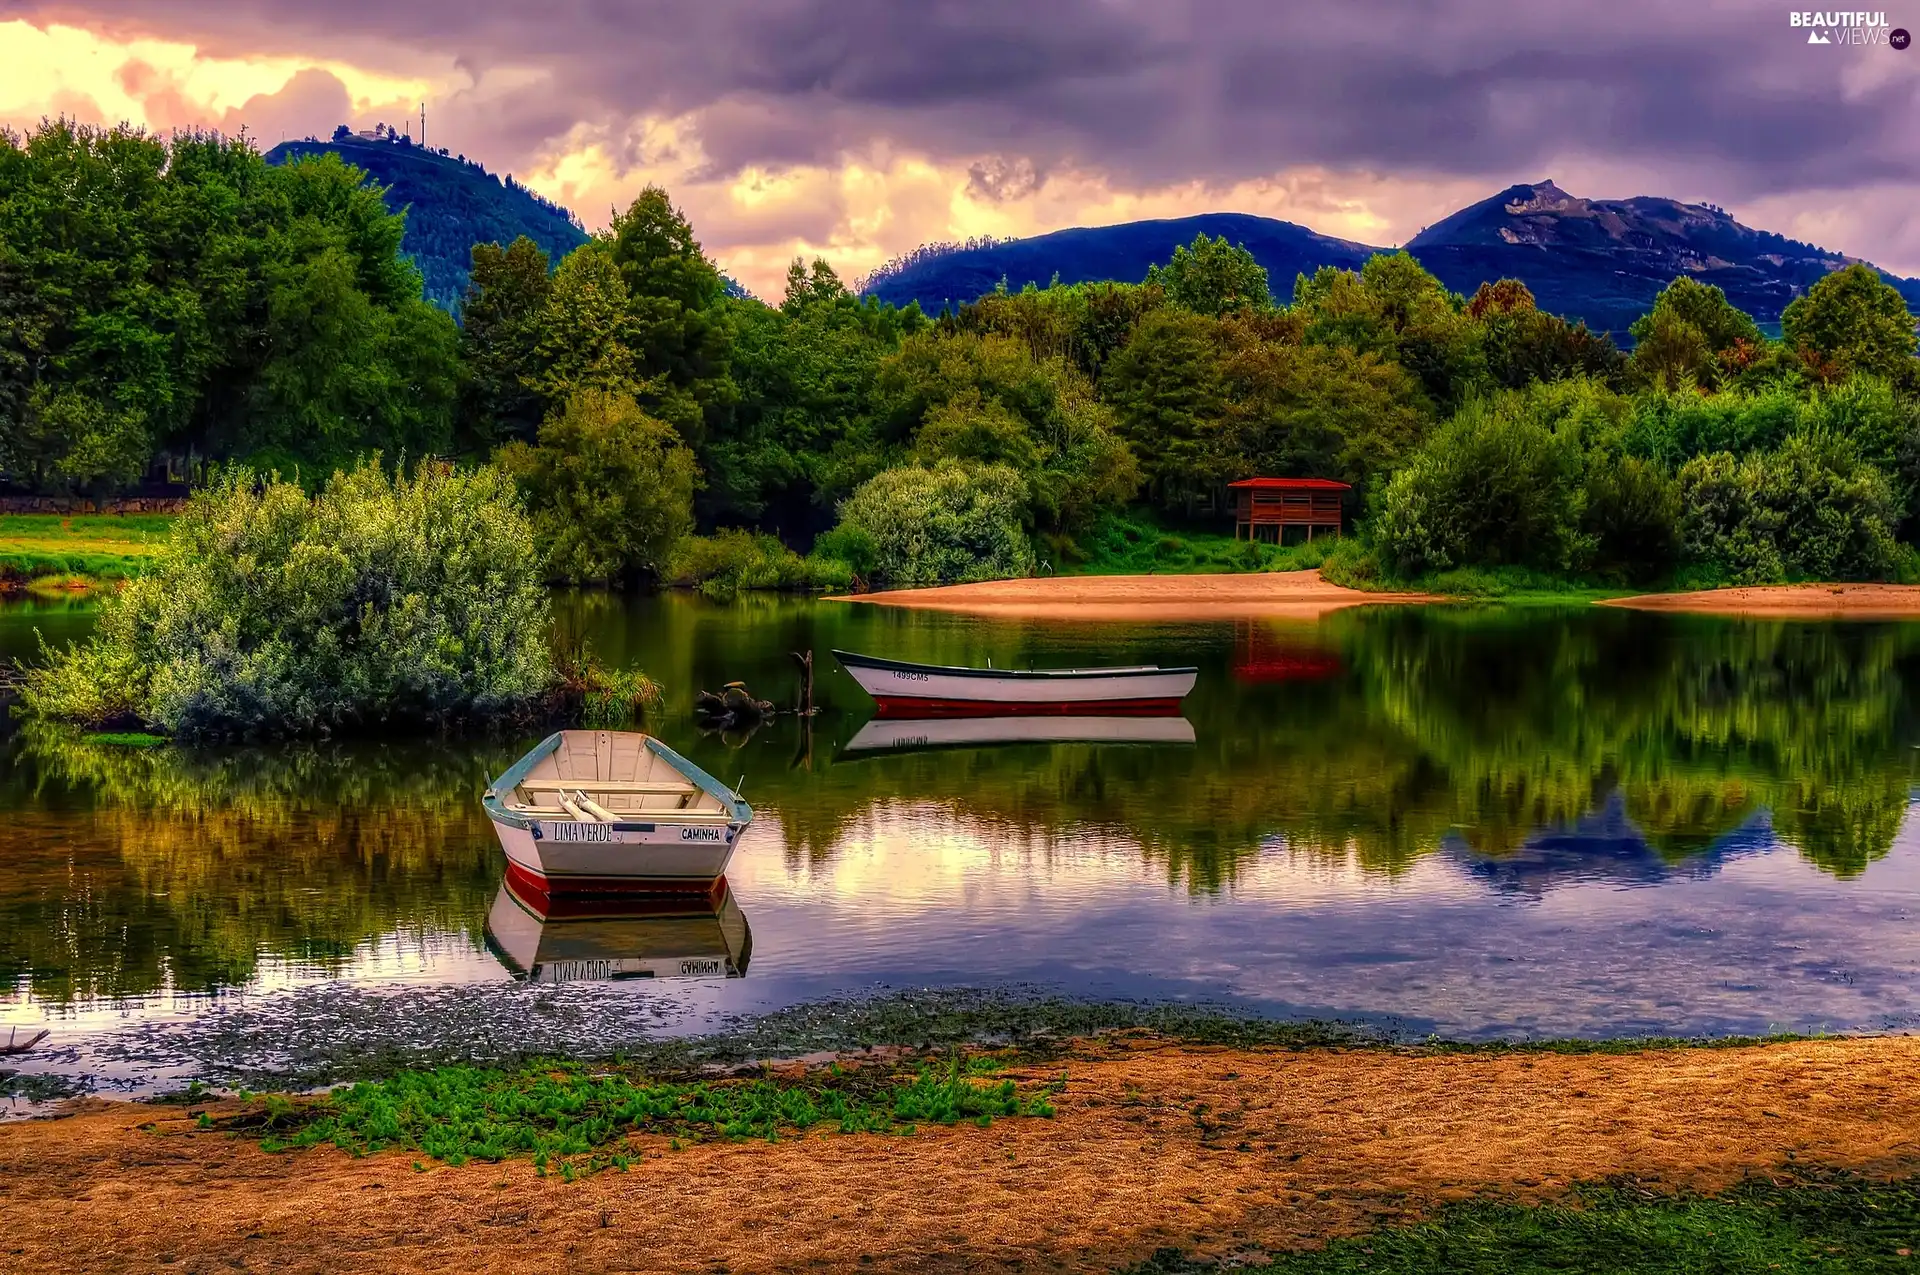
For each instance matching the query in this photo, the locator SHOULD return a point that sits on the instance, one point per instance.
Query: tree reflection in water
(1529, 746)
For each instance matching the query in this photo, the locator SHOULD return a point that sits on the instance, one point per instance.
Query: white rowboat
(901, 689)
(597, 811)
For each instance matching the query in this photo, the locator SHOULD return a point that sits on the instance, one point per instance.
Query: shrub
(733, 559)
(953, 522)
(1489, 488)
(611, 488)
(381, 601)
(1812, 509)
(1631, 518)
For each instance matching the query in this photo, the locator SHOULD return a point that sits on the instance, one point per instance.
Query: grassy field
(53, 547)
(1825, 1222)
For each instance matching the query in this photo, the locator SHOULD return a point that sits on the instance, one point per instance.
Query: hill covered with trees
(1598, 262)
(451, 203)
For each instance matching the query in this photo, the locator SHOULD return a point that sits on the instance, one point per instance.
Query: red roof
(1293, 484)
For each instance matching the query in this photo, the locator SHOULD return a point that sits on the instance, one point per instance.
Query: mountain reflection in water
(1381, 779)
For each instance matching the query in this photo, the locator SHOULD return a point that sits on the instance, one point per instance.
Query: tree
(611, 488)
(500, 318)
(1211, 277)
(1168, 393)
(815, 286)
(1693, 336)
(587, 336)
(673, 298)
(1852, 321)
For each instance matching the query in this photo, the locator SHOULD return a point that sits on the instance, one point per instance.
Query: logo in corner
(1899, 38)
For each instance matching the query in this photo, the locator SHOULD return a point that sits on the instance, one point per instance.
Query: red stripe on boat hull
(537, 888)
(906, 706)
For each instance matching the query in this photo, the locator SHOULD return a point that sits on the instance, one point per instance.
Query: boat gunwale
(737, 810)
(852, 659)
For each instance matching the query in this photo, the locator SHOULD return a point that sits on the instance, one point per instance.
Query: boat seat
(604, 785)
(629, 816)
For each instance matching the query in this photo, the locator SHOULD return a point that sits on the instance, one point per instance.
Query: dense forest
(183, 299)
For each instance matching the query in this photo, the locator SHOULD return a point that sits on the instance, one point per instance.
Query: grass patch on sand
(39, 547)
(1137, 542)
(571, 1118)
(1826, 1222)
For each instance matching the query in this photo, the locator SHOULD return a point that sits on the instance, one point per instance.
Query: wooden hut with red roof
(1279, 503)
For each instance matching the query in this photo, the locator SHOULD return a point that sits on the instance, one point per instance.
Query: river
(1470, 821)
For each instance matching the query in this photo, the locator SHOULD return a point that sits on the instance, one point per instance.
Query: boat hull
(556, 857)
(909, 690)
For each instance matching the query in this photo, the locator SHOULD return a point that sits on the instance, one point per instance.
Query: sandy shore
(1790, 601)
(1298, 594)
(1212, 1151)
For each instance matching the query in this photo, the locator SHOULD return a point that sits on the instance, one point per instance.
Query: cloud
(979, 113)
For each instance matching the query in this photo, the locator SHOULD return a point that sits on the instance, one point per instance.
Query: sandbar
(1283, 594)
(1789, 601)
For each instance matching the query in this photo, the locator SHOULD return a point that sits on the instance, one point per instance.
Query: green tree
(501, 314)
(1693, 336)
(679, 333)
(1212, 277)
(1168, 394)
(1852, 321)
(611, 488)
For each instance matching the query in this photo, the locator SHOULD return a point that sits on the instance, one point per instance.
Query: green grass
(1138, 542)
(1809, 1222)
(126, 739)
(36, 547)
(561, 1113)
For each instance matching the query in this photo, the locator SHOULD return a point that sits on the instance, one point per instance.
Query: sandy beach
(1155, 1145)
(1296, 594)
(1790, 601)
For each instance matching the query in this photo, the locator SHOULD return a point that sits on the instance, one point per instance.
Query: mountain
(1604, 260)
(953, 275)
(1599, 260)
(452, 204)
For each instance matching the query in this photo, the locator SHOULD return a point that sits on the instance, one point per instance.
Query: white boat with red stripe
(599, 811)
(901, 689)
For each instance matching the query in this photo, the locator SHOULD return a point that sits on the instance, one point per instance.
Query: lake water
(1470, 821)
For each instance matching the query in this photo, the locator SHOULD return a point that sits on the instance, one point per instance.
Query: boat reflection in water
(558, 939)
(897, 734)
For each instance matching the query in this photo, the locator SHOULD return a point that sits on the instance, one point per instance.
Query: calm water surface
(1472, 821)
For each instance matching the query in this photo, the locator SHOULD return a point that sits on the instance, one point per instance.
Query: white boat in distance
(901, 689)
(598, 811)
(902, 734)
(557, 940)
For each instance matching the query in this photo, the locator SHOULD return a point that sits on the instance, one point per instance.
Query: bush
(611, 488)
(730, 560)
(1489, 488)
(382, 601)
(1812, 509)
(1631, 518)
(953, 522)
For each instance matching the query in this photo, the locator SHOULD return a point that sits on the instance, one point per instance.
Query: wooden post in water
(805, 705)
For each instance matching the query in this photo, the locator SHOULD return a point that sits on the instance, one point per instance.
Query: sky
(857, 130)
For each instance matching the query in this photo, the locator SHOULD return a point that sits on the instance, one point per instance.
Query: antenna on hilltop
(423, 125)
